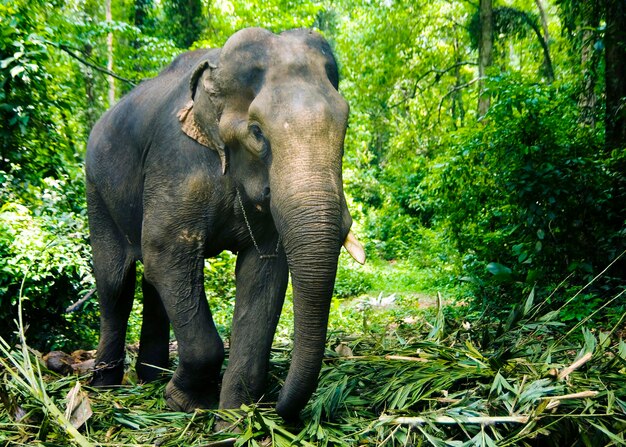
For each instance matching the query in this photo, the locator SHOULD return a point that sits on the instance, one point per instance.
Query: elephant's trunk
(310, 213)
(311, 228)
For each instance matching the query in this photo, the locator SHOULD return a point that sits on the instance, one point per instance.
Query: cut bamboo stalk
(555, 401)
(574, 366)
(405, 358)
(579, 395)
(487, 420)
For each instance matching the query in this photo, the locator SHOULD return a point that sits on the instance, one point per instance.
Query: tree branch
(439, 73)
(84, 61)
(547, 61)
(451, 91)
(80, 302)
(461, 420)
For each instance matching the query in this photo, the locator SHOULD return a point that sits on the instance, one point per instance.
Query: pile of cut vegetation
(526, 381)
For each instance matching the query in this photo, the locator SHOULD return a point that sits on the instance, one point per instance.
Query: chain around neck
(256, 245)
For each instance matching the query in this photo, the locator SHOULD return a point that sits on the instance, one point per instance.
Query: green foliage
(219, 282)
(185, 20)
(229, 16)
(538, 201)
(526, 196)
(35, 108)
(351, 281)
(44, 251)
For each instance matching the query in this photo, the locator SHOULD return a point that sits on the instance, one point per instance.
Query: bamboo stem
(403, 357)
(579, 395)
(574, 366)
(487, 420)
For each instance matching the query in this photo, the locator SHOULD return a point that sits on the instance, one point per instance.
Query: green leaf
(5, 62)
(500, 271)
(590, 342)
(16, 70)
(529, 302)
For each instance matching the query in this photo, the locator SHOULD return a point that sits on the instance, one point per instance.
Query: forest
(485, 169)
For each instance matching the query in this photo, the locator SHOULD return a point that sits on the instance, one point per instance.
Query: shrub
(530, 197)
(351, 281)
(44, 255)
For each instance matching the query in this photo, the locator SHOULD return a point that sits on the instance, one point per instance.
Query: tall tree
(615, 73)
(457, 108)
(141, 16)
(111, 79)
(186, 21)
(485, 52)
(589, 59)
(544, 21)
(507, 19)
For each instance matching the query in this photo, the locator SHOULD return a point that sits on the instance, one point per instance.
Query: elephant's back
(153, 95)
(145, 115)
(120, 142)
(187, 61)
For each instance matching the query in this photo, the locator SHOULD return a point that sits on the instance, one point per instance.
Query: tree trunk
(485, 49)
(91, 112)
(589, 63)
(615, 74)
(458, 109)
(544, 22)
(111, 79)
(589, 59)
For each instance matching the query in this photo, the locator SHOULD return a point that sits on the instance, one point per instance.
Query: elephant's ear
(199, 117)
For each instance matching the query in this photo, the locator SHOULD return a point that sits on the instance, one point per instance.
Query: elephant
(238, 149)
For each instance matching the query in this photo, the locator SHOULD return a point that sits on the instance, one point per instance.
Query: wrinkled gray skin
(270, 108)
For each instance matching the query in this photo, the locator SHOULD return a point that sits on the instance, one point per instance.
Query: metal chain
(256, 245)
(103, 366)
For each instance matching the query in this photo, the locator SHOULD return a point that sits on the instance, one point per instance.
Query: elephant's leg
(115, 294)
(261, 285)
(114, 271)
(177, 274)
(155, 335)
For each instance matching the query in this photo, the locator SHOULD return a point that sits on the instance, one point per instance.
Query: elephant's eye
(259, 143)
(256, 131)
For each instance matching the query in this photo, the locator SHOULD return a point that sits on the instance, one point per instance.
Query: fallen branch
(376, 357)
(486, 420)
(80, 302)
(580, 395)
(221, 443)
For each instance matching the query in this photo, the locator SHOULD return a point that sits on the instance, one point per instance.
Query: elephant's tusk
(355, 248)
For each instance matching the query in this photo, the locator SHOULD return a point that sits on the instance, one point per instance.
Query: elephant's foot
(179, 399)
(107, 374)
(147, 373)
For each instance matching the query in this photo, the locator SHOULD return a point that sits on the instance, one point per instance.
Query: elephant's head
(271, 108)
